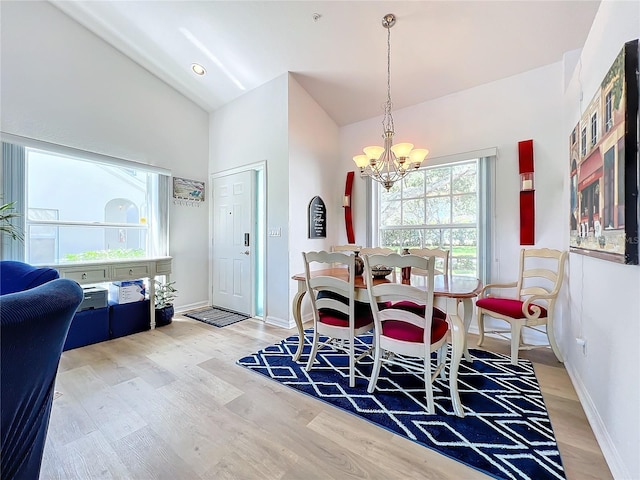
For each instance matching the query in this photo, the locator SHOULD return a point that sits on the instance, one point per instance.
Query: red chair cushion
(509, 307)
(419, 309)
(336, 319)
(411, 333)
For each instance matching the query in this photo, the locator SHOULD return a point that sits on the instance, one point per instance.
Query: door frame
(259, 260)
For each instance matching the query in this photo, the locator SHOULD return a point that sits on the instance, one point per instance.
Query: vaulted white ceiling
(337, 50)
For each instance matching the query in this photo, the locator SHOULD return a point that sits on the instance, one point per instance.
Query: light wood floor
(172, 404)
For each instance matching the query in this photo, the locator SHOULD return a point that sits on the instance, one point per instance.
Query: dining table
(450, 293)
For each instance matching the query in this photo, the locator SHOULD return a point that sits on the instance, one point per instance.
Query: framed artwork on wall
(604, 166)
(189, 190)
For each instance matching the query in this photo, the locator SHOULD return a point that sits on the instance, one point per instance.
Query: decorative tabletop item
(380, 271)
(359, 264)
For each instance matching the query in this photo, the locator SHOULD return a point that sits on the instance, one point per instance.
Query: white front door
(233, 240)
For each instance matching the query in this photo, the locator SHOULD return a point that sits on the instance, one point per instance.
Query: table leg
(297, 316)
(467, 309)
(457, 348)
(458, 343)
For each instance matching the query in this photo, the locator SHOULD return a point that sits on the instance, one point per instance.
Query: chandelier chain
(387, 120)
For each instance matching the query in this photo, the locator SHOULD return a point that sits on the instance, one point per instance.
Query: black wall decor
(317, 218)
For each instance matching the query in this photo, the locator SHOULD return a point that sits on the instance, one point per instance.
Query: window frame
(485, 199)
(15, 174)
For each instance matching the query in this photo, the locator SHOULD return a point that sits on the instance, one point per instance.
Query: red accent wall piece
(348, 221)
(527, 193)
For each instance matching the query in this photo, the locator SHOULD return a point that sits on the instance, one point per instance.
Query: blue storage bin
(87, 327)
(129, 318)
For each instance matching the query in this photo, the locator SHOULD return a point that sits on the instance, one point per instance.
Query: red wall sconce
(527, 193)
(346, 203)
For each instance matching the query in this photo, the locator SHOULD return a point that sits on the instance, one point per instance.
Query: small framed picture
(191, 190)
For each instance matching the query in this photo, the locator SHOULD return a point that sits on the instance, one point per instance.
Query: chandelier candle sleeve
(389, 163)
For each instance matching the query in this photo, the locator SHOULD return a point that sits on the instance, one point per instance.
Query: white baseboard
(613, 459)
(192, 306)
(280, 322)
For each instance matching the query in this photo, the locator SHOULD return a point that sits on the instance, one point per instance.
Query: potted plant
(6, 214)
(165, 293)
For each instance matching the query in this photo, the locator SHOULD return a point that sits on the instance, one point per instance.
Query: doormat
(218, 317)
(505, 433)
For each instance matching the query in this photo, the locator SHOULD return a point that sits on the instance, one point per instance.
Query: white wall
(253, 128)
(314, 163)
(605, 296)
(64, 85)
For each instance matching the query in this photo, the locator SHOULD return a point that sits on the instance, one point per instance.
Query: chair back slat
(541, 271)
(346, 248)
(325, 283)
(377, 250)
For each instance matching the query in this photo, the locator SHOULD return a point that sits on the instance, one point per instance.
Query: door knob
(246, 252)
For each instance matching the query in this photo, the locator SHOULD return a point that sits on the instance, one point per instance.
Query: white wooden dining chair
(532, 301)
(442, 259)
(336, 314)
(403, 337)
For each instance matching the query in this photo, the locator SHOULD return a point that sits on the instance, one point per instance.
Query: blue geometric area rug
(506, 432)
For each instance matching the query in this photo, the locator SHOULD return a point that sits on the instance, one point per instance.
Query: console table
(119, 270)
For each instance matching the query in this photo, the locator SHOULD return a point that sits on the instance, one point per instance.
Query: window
(583, 141)
(435, 207)
(82, 207)
(594, 129)
(608, 112)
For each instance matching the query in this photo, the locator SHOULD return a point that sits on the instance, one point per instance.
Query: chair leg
(376, 370)
(480, 327)
(552, 341)
(314, 350)
(427, 384)
(352, 363)
(516, 332)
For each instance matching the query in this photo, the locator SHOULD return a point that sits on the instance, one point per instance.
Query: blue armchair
(34, 325)
(18, 276)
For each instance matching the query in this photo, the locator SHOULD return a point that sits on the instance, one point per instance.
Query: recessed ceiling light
(198, 69)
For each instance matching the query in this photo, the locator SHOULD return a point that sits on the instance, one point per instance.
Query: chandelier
(389, 163)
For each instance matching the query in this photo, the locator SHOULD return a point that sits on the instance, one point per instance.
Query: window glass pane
(413, 212)
(390, 213)
(61, 244)
(413, 185)
(465, 209)
(392, 238)
(79, 210)
(464, 266)
(65, 184)
(438, 181)
(463, 178)
(421, 210)
(438, 210)
(437, 238)
(394, 193)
